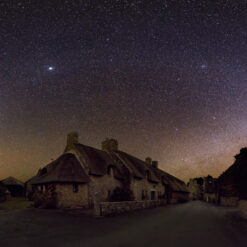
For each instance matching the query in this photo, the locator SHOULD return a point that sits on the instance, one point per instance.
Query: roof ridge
(97, 149)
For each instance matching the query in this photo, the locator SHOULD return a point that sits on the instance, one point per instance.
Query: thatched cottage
(83, 175)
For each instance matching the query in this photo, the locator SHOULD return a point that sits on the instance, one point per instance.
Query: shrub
(121, 194)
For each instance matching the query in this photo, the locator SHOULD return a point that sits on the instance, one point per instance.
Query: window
(152, 195)
(41, 188)
(75, 188)
(108, 194)
(46, 187)
(109, 170)
(143, 195)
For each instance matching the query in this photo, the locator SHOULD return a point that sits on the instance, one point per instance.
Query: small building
(83, 176)
(14, 186)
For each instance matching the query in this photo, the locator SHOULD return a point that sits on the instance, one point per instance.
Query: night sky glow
(168, 79)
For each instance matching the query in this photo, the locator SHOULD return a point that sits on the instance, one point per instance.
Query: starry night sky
(167, 79)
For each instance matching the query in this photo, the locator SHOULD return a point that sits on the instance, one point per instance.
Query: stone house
(232, 184)
(84, 176)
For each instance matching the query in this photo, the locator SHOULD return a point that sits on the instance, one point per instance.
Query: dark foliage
(121, 194)
(41, 200)
(233, 181)
(199, 180)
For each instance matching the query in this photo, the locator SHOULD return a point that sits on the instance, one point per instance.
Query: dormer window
(110, 170)
(43, 171)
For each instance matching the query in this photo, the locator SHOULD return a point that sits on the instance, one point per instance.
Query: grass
(15, 203)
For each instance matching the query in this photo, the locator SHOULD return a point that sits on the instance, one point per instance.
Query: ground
(15, 203)
(190, 224)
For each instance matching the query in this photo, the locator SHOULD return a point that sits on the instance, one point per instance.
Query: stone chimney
(148, 160)
(155, 164)
(72, 138)
(109, 145)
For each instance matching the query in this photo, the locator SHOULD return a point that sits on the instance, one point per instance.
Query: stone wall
(108, 208)
(102, 187)
(229, 201)
(66, 198)
(243, 208)
(138, 186)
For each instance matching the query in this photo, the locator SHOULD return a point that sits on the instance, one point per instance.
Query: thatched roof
(138, 168)
(98, 161)
(65, 169)
(174, 183)
(12, 181)
(29, 181)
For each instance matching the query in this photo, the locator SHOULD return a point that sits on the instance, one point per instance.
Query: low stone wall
(107, 208)
(243, 208)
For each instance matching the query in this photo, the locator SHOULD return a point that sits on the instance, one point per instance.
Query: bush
(121, 194)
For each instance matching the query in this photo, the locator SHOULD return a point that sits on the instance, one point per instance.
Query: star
(51, 68)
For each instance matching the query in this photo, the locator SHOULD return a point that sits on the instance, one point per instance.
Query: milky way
(165, 78)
